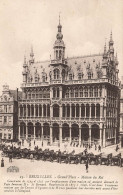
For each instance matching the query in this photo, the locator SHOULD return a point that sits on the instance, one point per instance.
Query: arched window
(54, 92)
(57, 92)
(81, 92)
(56, 74)
(80, 76)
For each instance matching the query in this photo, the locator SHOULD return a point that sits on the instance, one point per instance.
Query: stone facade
(9, 114)
(70, 99)
(121, 114)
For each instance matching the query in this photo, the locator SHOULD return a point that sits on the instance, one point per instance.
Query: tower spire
(31, 55)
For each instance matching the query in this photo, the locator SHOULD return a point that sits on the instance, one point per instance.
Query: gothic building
(70, 99)
(9, 113)
(121, 115)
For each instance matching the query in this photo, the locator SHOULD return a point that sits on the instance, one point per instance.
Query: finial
(59, 17)
(31, 54)
(111, 36)
(24, 59)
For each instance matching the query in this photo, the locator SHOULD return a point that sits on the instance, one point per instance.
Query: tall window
(56, 74)
(96, 92)
(91, 92)
(43, 79)
(86, 92)
(67, 94)
(72, 93)
(80, 76)
(5, 119)
(76, 92)
(5, 108)
(81, 92)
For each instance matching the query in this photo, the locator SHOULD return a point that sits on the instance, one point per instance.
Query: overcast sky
(85, 26)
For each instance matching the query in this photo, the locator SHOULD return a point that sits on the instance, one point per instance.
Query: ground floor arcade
(84, 133)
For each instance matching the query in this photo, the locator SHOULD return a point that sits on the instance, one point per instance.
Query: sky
(86, 25)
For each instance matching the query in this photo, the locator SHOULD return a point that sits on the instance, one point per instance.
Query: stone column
(95, 111)
(60, 135)
(60, 111)
(19, 132)
(51, 135)
(42, 111)
(26, 132)
(90, 110)
(70, 111)
(26, 111)
(104, 144)
(34, 110)
(100, 137)
(46, 110)
(70, 133)
(79, 110)
(79, 136)
(75, 110)
(34, 132)
(85, 111)
(90, 135)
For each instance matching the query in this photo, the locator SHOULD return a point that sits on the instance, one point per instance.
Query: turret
(111, 48)
(31, 61)
(59, 46)
(25, 70)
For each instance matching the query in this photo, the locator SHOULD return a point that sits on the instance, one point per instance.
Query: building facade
(9, 114)
(70, 99)
(121, 115)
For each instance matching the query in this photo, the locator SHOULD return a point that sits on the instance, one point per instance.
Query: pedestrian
(42, 143)
(99, 148)
(10, 158)
(89, 146)
(31, 157)
(34, 142)
(86, 166)
(2, 162)
(117, 148)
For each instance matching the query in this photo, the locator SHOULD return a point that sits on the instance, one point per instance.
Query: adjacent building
(121, 115)
(9, 114)
(72, 99)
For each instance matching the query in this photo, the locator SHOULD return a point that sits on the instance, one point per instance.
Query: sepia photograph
(61, 97)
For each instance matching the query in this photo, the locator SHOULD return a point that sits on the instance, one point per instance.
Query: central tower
(59, 46)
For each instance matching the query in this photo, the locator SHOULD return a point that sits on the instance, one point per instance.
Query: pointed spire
(24, 59)
(59, 18)
(111, 39)
(31, 53)
(105, 47)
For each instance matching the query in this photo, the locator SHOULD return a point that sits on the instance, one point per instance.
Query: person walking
(2, 162)
(34, 142)
(86, 166)
(99, 148)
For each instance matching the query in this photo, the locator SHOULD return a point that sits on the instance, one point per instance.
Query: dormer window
(90, 75)
(80, 76)
(43, 79)
(56, 74)
(70, 76)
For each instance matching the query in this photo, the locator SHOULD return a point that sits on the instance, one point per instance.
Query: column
(26, 111)
(70, 110)
(79, 136)
(38, 110)
(42, 111)
(75, 110)
(85, 111)
(89, 135)
(26, 131)
(60, 111)
(34, 110)
(46, 110)
(95, 111)
(34, 132)
(115, 136)
(60, 93)
(51, 111)
(70, 133)
(19, 132)
(60, 134)
(42, 133)
(51, 135)
(90, 110)
(79, 110)
(104, 137)
(100, 137)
